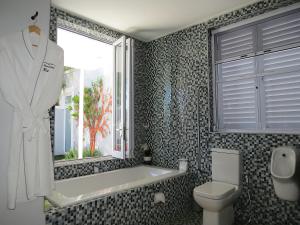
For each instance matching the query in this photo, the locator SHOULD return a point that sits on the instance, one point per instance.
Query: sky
(84, 53)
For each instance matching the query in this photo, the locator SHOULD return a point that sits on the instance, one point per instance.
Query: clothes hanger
(33, 28)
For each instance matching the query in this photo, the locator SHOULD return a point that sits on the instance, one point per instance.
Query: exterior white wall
(14, 16)
(59, 126)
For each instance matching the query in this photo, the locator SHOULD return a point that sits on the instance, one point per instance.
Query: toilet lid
(215, 190)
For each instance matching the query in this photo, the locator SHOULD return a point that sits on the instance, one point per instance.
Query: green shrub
(87, 153)
(73, 154)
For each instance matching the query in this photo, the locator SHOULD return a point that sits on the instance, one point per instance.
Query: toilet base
(224, 217)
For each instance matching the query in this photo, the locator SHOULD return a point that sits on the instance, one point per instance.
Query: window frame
(127, 70)
(130, 72)
(127, 65)
(256, 22)
(81, 71)
(121, 41)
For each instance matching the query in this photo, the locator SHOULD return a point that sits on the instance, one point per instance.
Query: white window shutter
(257, 76)
(237, 94)
(282, 100)
(281, 84)
(281, 61)
(280, 32)
(238, 43)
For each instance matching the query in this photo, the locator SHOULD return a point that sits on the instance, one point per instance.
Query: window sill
(61, 163)
(259, 132)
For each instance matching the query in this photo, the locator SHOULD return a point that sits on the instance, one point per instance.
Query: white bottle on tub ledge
(147, 154)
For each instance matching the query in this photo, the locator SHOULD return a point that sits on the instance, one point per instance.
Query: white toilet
(217, 197)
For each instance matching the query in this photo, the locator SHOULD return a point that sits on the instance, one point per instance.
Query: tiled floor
(193, 218)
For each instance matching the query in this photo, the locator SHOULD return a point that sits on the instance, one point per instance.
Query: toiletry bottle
(147, 154)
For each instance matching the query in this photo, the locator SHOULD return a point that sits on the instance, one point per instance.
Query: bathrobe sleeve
(6, 71)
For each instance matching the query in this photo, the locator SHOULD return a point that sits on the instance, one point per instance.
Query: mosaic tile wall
(59, 18)
(132, 207)
(173, 115)
(178, 73)
(71, 169)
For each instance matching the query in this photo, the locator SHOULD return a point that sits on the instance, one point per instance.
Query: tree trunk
(93, 133)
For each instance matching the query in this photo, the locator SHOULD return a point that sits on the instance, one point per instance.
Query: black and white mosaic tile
(178, 71)
(79, 168)
(173, 113)
(65, 20)
(191, 218)
(134, 206)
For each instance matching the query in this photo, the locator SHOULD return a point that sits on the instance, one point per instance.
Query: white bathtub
(79, 189)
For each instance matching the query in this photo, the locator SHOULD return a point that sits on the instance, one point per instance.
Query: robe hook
(35, 15)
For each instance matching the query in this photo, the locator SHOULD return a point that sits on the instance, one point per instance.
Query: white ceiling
(149, 19)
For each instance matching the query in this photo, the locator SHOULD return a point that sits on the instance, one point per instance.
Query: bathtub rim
(65, 202)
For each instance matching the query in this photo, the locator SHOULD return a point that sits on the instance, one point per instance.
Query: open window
(94, 115)
(123, 113)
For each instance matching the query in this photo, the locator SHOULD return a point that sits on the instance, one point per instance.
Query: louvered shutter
(257, 72)
(237, 99)
(281, 61)
(280, 32)
(281, 84)
(235, 44)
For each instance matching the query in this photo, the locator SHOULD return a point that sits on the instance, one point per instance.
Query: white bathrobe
(30, 81)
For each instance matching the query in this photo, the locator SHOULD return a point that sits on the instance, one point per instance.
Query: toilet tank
(226, 166)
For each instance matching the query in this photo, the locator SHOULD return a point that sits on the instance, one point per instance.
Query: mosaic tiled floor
(193, 218)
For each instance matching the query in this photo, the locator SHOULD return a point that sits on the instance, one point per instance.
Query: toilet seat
(215, 190)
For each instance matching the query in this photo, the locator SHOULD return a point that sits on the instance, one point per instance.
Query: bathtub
(75, 190)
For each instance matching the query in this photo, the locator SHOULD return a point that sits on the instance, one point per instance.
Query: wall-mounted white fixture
(159, 198)
(284, 163)
(183, 164)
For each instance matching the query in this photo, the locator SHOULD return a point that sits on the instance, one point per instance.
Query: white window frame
(127, 73)
(130, 77)
(230, 28)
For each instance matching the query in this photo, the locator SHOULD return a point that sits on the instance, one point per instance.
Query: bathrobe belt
(32, 125)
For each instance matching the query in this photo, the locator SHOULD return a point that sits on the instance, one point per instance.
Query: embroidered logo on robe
(48, 66)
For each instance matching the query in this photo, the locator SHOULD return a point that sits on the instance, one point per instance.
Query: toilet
(217, 196)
